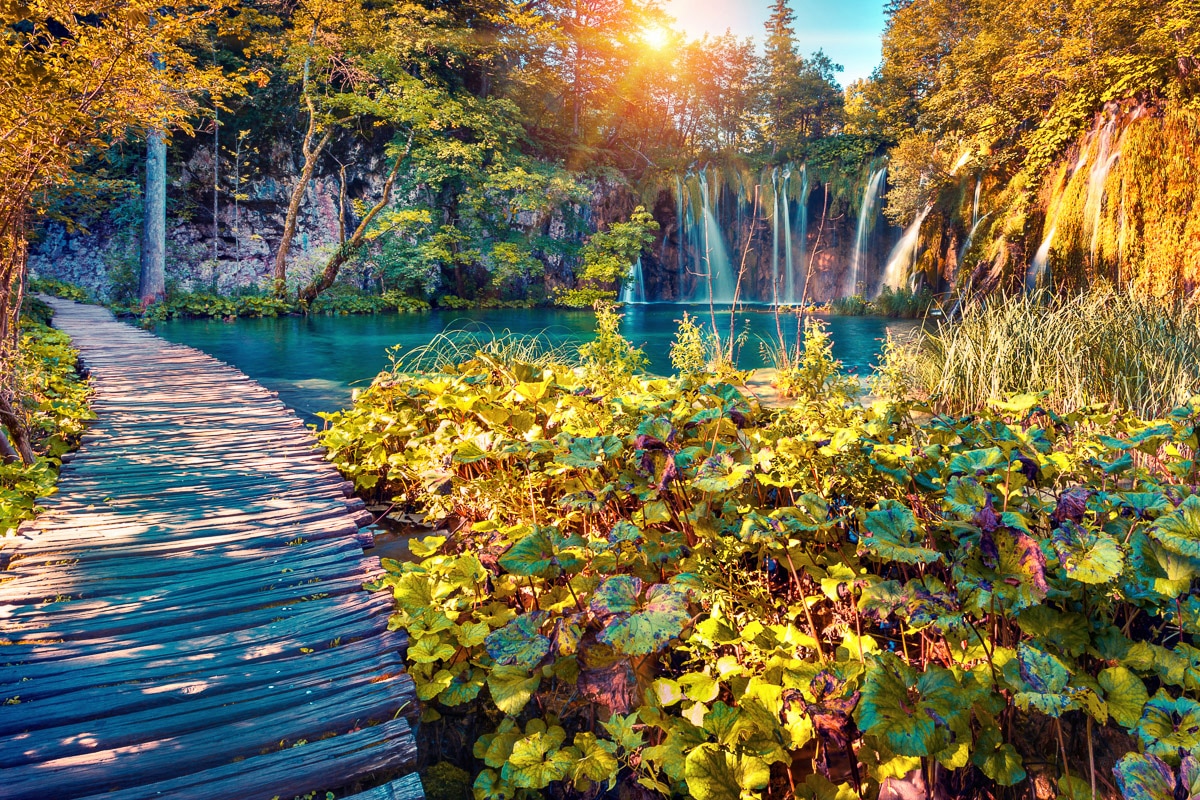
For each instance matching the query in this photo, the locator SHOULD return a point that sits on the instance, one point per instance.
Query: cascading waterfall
(1039, 267)
(866, 223)
(1094, 205)
(970, 238)
(775, 236)
(802, 213)
(681, 232)
(634, 290)
(975, 203)
(715, 272)
(789, 275)
(904, 255)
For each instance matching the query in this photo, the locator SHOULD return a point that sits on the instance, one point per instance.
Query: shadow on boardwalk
(187, 619)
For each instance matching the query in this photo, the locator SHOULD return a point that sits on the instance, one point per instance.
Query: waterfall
(1039, 267)
(715, 270)
(789, 276)
(634, 289)
(681, 233)
(904, 255)
(866, 223)
(970, 238)
(975, 204)
(1103, 164)
(775, 236)
(803, 226)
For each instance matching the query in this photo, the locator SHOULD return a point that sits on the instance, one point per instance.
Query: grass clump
(475, 342)
(1123, 350)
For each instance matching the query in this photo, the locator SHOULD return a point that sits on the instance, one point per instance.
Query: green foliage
(55, 410)
(656, 582)
(57, 288)
(610, 360)
(608, 258)
(339, 300)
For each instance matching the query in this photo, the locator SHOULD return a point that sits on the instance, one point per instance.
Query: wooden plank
(287, 773)
(217, 582)
(83, 703)
(333, 687)
(407, 788)
(290, 644)
(191, 752)
(261, 556)
(205, 635)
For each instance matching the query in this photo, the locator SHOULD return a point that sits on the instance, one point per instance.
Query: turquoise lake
(315, 363)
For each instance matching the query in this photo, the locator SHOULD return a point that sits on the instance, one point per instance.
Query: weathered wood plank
(289, 772)
(407, 788)
(82, 703)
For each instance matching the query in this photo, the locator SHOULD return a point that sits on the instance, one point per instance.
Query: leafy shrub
(662, 586)
(608, 257)
(854, 306)
(610, 360)
(902, 303)
(57, 288)
(55, 410)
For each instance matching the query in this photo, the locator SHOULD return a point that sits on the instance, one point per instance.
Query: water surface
(315, 362)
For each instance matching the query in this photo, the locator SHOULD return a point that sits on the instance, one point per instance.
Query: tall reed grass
(459, 345)
(1128, 351)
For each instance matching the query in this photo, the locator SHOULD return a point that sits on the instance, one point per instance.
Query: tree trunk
(348, 248)
(153, 286)
(7, 454)
(14, 250)
(10, 419)
(311, 156)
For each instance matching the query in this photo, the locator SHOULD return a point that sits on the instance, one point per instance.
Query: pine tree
(782, 64)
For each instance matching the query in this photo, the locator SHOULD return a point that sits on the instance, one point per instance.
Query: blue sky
(848, 30)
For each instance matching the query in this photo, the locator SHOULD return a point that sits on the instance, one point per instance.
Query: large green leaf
(617, 595)
(1125, 695)
(720, 474)
(965, 496)
(512, 688)
(590, 453)
(542, 553)
(996, 758)
(520, 642)
(597, 759)
(1087, 556)
(1148, 777)
(1179, 531)
(660, 619)
(1046, 679)
(1169, 725)
(892, 533)
(906, 708)
(537, 760)
(1158, 570)
(714, 773)
(978, 462)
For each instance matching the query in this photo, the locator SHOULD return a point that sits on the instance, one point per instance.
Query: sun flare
(656, 36)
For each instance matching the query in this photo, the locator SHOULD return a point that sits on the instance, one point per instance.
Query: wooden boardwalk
(187, 620)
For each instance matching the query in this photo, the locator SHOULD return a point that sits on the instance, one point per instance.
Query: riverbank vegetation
(1105, 348)
(54, 409)
(657, 583)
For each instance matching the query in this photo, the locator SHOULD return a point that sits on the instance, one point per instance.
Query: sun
(656, 37)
